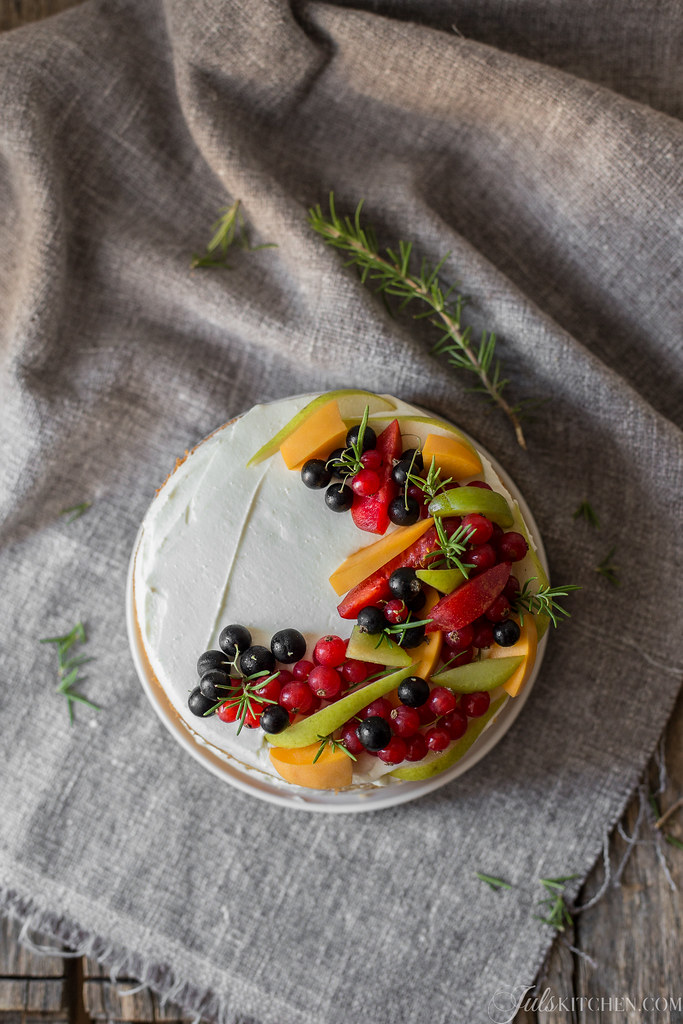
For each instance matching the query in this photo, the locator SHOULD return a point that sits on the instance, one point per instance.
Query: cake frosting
(225, 542)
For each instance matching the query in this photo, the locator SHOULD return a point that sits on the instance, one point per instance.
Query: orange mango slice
(332, 770)
(429, 651)
(526, 646)
(455, 458)
(322, 432)
(367, 560)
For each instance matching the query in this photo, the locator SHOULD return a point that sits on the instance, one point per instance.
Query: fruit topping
(475, 704)
(470, 600)
(480, 528)
(297, 697)
(288, 646)
(454, 457)
(408, 546)
(404, 584)
(394, 752)
(405, 721)
(325, 682)
(461, 501)
(339, 497)
(456, 723)
(404, 511)
(488, 674)
(316, 766)
(233, 640)
(395, 611)
(362, 436)
(372, 459)
(416, 747)
(371, 620)
(274, 718)
(437, 738)
(374, 733)
(330, 650)
(198, 704)
(376, 648)
(210, 680)
(315, 474)
(320, 432)
(506, 633)
(349, 737)
(256, 659)
(413, 692)
(441, 701)
(213, 659)
(354, 672)
(377, 708)
(365, 483)
(371, 512)
(512, 547)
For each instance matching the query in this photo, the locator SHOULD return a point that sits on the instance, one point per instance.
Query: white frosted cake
(247, 532)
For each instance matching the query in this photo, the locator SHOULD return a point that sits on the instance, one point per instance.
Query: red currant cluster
(429, 720)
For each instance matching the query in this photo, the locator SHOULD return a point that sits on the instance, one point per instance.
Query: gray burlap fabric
(541, 148)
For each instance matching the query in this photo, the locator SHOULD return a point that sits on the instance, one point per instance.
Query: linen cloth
(539, 144)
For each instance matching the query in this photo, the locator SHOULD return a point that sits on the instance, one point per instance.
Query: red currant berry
(483, 633)
(297, 697)
(301, 669)
(441, 701)
(380, 708)
(479, 483)
(271, 689)
(512, 547)
(395, 611)
(459, 639)
(404, 721)
(325, 682)
(475, 704)
(353, 672)
(437, 738)
(496, 535)
(227, 712)
(426, 714)
(482, 557)
(394, 752)
(350, 738)
(416, 748)
(371, 459)
(316, 705)
(329, 651)
(365, 483)
(512, 588)
(499, 610)
(480, 528)
(253, 715)
(464, 658)
(456, 723)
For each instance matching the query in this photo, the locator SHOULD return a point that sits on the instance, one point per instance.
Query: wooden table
(633, 934)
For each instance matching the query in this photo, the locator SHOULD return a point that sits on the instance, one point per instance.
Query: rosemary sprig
(431, 484)
(608, 569)
(543, 601)
(68, 668)
(335, 744)
(243, 694)
(392, 274)
(586, 511)
(451, 548)
(399, 629)
(558, 915)
(75, 511)
(230, 229)
(349, 462)
(672, 840)
(494, 883)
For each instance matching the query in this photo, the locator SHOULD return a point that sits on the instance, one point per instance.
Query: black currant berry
(256, 659)
(371, 620)
(374, 732)
(399, 473)
(413, 692)
(412, 637)
(339, 497)
(414, 456)
(506, 633)
(212, 659)
(210, 680)
(402, 516)
(315, 474)
(334, 461)
(198, 703)
(234, 639)
(417, 602)
(274, 718)
(288, 646)
(369, 437)
(404, 584)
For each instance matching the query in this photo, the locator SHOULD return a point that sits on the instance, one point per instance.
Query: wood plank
(104, 1001)
(13, 993)
(14, 13)
(18, 960)
(45, 995)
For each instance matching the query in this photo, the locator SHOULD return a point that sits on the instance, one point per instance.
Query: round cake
(331, 591)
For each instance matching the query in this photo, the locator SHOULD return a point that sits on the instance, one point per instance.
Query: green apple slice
(443, 580)
(478, 675)
(325, 721)
(367, 647)
(351, 403)
(461, 501)
(418, 772)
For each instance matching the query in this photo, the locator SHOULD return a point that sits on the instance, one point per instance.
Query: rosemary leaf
(229, 230)
(75, 511)
(607, 569)
(585, 511)
(494, 883)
